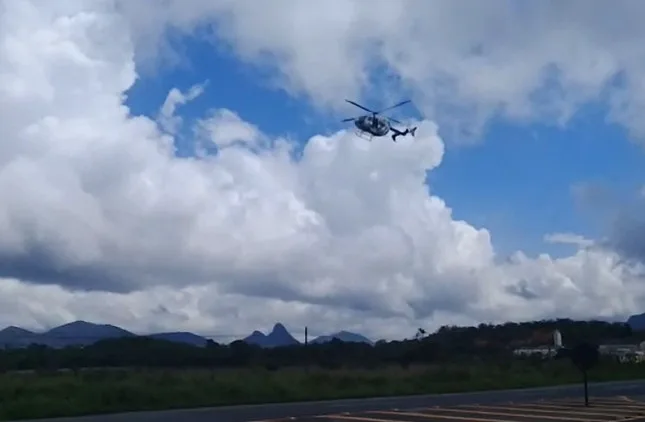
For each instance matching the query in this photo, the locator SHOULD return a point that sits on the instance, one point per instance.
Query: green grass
(24, 396)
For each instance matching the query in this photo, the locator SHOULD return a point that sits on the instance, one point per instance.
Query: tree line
(486, 342)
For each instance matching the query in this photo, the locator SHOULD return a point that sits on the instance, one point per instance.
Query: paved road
(265, 412)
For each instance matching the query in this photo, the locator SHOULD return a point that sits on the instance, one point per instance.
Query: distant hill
(637, 322)
(345, 336)
(278, 337)
(16, 337)
(257, 338)
(181, 337)
(83, 333)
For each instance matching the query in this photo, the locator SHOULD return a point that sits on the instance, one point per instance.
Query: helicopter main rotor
(374, 113)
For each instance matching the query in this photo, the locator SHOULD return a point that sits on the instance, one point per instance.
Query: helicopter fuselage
(374, 125)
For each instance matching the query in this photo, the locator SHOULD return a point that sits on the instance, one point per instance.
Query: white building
(557, 339)
(542, 351)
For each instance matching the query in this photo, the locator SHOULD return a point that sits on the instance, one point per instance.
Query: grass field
(40, 395)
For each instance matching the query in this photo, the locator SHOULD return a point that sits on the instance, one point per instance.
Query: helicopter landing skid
(363, 135)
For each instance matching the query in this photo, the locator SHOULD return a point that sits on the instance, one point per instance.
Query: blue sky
(517, 181)
(205, 240)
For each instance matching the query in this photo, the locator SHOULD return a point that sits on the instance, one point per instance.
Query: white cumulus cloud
(100, 220)
(168, 119)
(464, 61)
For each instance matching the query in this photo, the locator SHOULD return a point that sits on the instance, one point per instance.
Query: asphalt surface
(615, 401)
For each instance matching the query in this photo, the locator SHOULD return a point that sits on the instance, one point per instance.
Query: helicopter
(373, 124)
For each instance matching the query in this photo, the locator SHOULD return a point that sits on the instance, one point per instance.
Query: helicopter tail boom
(396, 133)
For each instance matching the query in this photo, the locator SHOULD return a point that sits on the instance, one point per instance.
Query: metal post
(584, 377)
(306, 349)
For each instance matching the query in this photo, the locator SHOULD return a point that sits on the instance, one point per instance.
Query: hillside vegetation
(137, 373)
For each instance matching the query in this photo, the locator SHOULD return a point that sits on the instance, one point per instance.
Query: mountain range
(83, 333)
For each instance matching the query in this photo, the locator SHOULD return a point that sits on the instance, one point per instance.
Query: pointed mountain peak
(280, 336)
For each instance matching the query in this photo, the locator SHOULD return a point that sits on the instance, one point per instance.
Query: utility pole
(306, 348)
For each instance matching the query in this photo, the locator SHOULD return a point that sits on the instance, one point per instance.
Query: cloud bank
(100, 220)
